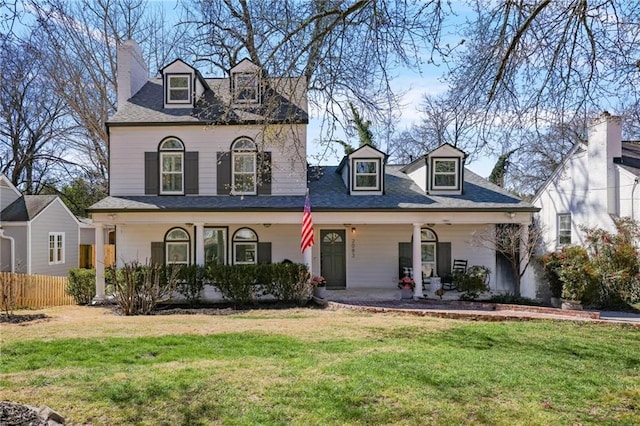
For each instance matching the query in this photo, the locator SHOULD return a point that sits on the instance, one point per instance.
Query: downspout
(633, 190)
(13, 249)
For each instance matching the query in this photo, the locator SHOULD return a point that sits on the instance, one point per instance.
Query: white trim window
(245, 247)
(56, 248)
(366, 174)
(243, 167)
(179, 89)
(172, 167)
(246, 87)
(177, 245)
(445, 174)
(564, 229)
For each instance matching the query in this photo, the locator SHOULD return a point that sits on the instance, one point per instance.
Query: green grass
(469, 373)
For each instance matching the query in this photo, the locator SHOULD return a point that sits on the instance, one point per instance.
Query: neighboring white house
(38, 233)
(595, 183)
(214, 170)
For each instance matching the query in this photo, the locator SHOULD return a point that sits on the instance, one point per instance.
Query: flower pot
(573, 305)
(406, 293)
(320, 292)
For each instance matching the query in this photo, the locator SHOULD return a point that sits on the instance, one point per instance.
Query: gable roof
(6, 183)
(630, 159)
(213, 107)
(26, 208)
(328, 193)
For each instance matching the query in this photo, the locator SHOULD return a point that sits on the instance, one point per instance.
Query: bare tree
(346, 50)
(516, 243)
(444, 120)
(78, 42)
(33, 121)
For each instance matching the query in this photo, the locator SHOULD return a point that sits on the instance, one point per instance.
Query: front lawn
(312, 367)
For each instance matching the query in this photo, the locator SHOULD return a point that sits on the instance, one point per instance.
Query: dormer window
(366, 174)
(179, 88)
(445, 173)
(246, 87)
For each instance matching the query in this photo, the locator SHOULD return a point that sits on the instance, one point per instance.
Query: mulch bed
(21, 318)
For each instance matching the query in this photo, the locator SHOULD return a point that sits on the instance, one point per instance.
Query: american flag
(307, 226)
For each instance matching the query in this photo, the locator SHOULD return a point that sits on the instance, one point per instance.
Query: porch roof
(329, 194)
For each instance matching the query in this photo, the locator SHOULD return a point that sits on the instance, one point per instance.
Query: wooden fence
(33, 291)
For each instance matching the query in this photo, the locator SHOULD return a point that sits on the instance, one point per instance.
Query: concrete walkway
(389, 301)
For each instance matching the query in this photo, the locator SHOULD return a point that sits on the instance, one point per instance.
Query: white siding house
(215, 170)
(594, 184)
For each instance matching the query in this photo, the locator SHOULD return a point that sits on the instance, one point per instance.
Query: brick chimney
(132, 71)
(605, 144)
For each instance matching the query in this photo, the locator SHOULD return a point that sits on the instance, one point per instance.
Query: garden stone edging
(12, 413)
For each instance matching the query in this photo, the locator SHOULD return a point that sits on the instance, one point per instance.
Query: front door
(333, 258)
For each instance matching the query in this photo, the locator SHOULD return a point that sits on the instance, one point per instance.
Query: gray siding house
(38, 233)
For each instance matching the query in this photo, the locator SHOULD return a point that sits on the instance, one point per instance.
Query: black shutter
(223, 175)
(151, 177)
(157, 253)
(264, 252)
(191, 172)
(264, 173)
(444, 259)
(405, 258)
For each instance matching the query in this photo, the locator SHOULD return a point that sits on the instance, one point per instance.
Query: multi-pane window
(366, 174)
(176, 245)
(245, 247)
(246, 87)
(171, 167)
(564, 228)
(178, 88)
(428, 241)
(244, 166)
(215, 246)
(56, 248)
(445, 173)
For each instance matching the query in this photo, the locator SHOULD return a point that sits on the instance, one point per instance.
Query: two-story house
(214, 170)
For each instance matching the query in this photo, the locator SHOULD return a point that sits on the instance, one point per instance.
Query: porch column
(199, 243)
(308, 257)
(99, 230)
(417, 261)
(524, 252)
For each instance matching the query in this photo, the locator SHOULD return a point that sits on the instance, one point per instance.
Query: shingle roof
(630, 159)
(214, 106)
(26, 208)
(328, 193)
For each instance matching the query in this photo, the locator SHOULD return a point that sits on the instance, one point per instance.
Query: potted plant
(406, 286)
(319, 286)
(576, 276)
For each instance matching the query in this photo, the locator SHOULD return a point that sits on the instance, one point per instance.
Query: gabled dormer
(182, 83)
(439, 172)
(363, 171)
(246, 83)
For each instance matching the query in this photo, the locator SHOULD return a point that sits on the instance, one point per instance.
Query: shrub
(81, 285)
(551, 263)
(473, 282)
(237, 283)
(191, 282)
(576, 274)
(290, 282)
(138, 288)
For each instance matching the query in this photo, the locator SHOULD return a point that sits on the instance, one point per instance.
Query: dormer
(439, 172)
(363, 171)
(246, 83)
(182, 84)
